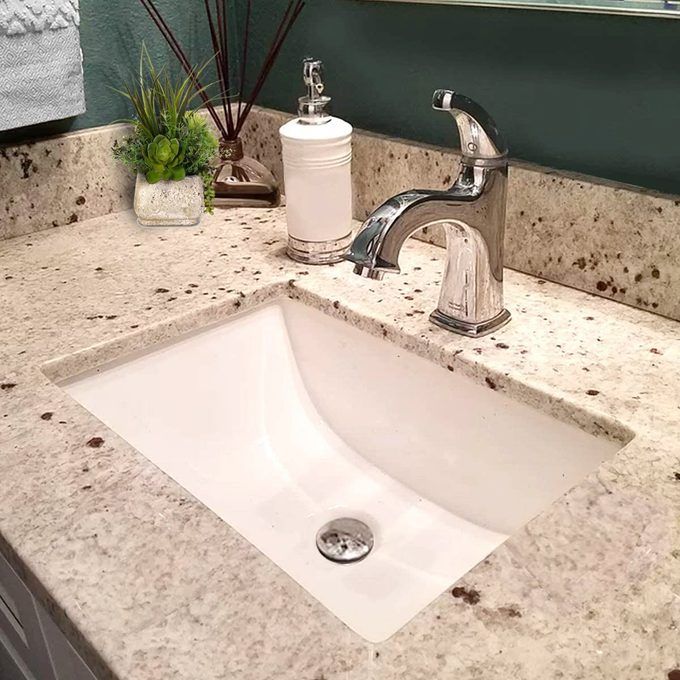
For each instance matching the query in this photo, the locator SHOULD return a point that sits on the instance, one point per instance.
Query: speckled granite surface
(606, 239)
(149, 584)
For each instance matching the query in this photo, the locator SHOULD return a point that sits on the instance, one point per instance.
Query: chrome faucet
(472, 213)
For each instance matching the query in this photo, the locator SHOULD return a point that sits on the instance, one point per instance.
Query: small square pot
(169, 203)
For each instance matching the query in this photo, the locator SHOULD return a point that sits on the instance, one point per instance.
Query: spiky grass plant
(169, 140)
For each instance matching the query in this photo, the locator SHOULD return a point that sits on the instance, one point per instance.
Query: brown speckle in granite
(502, 345)
(87, 487)
(638, 278)
(26, 163)
(602, 285)
(99, 269)
(162, 290)
(674, 674)
(511, 612)
(80, 200)
(490, 383)
(592, 393)
(7, 386)
(677, 476)
(468, 595)
(47, 415)
(95, 442)
(449, 367)
(654, 350)
(336, 304)
(655, 273)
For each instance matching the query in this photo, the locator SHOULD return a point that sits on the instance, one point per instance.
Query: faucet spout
(376, 247)
(472, 213)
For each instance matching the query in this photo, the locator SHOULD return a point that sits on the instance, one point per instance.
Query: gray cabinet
(31, 645)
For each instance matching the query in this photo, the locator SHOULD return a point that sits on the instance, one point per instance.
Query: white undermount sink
(282, 418)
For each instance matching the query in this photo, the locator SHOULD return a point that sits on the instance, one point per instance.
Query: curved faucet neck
(378, 243)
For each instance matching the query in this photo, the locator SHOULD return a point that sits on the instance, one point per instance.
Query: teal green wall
(111, 33)
(592, 93)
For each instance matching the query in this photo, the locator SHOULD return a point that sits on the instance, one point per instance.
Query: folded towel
(41, 64)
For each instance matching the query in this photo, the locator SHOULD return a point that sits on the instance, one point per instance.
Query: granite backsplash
(607, 239)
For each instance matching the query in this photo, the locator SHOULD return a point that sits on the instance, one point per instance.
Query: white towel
(41, 64)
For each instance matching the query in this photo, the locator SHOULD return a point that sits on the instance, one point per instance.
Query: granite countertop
(149, 584)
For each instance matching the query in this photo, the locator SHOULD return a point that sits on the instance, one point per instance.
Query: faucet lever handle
(480, 137)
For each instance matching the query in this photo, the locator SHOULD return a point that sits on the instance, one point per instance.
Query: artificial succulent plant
(169, 141)
(164, 158)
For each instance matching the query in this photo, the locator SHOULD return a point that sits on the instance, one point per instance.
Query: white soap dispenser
(317, 164)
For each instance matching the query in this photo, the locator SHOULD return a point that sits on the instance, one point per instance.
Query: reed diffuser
(239, 180)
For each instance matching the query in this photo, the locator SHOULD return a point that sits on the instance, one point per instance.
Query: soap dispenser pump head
(312, 107)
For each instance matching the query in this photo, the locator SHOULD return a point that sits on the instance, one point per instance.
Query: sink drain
(345, 540)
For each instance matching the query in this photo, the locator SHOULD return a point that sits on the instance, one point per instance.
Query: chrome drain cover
(345, 540)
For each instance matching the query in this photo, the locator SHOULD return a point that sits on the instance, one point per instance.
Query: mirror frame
(646, 8)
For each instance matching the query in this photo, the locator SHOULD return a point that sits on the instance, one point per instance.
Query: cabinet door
(11, 666)
(67, 663)
(21, 634)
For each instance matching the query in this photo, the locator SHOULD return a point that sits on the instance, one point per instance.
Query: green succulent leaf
(153, 176)
(164, 158)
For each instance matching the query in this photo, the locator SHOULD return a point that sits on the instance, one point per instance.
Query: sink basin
(282, 419)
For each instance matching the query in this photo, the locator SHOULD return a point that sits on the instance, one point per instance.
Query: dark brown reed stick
(223, 58)
(284, 29)
(219, 23)
(216, 50)
(244, 56)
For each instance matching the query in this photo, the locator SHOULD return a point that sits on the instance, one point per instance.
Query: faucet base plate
(471, 330)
